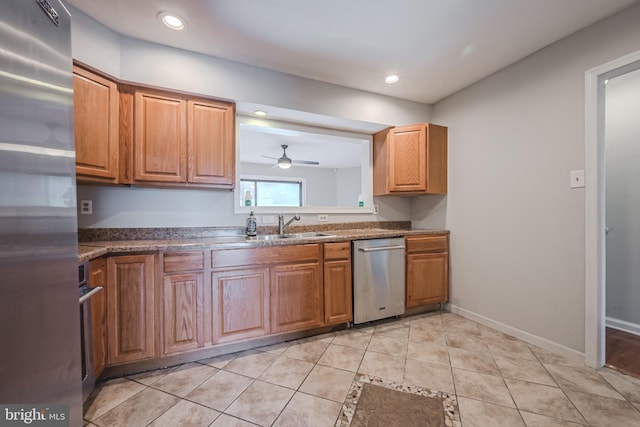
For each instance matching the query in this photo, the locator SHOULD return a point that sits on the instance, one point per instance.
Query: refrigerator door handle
(381, 248)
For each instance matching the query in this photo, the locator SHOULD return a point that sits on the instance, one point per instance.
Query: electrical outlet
(268, 219)
(323, 218)
(86, 207)
(376, 211)
(577, 179)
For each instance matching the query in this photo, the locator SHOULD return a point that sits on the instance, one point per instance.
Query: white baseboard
(515, 332)
(622, 325)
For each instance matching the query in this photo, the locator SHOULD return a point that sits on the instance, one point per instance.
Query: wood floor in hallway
(623, 352)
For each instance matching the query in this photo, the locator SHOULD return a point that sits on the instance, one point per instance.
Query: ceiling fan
(285, 162)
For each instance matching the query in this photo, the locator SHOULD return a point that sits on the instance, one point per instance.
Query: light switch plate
(323, 218)
(577, 179)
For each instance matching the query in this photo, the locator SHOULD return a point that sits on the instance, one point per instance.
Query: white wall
(622, 156)
(517, 230)
(152, 64)
(93, 43)
(320, 182)
(122, 207)
(348, 186)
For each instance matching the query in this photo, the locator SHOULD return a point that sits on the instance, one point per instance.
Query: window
(267, 191)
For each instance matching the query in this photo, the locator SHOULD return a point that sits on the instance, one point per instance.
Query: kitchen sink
(267, 237)
(308, 235)
(288, 236)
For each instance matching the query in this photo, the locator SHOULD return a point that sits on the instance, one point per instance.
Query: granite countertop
(92, 249)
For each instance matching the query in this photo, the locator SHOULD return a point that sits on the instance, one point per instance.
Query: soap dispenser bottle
(252, 229)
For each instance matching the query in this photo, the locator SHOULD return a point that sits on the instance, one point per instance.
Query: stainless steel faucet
(281, 224)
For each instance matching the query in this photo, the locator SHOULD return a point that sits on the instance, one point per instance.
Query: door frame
(595, 249)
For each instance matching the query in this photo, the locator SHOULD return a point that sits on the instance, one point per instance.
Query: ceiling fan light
(284, 163)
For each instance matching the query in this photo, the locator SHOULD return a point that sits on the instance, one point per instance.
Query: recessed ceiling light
(171, 20)
(468, 49)
(260, 113)
(391, 79)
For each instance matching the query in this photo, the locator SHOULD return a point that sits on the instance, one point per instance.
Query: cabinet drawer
(338, 250)
(435, 243)
(183, 261)
(268, 255)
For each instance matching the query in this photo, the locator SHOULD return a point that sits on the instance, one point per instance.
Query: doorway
(595, 203)
(622, 219)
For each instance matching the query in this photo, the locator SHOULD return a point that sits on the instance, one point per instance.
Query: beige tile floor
(497, 380)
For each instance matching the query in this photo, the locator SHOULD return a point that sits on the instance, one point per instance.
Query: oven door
(86, 339)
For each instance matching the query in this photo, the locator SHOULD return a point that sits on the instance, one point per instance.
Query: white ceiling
(436, 46)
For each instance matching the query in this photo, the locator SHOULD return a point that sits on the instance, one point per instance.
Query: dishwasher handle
(381, 248)
(89, 294)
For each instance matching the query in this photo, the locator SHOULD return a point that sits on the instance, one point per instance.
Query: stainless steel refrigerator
(39, 310)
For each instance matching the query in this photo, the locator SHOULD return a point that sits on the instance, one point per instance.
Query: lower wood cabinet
(240, 293)
(427, 270)
(183, 314)
(98, 277)
(130, 308)
(338, 290)
(296, 297)
(286, 279)
(240, 302)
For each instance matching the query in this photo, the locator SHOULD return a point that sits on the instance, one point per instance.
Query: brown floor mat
(384, 407)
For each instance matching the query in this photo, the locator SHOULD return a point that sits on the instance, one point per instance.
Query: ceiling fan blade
(305, 162)
(269, 157)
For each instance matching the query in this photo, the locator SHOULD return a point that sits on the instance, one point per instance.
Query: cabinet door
(183, 315)
(296, 297)
(95, 112)
(240, 301)
(160, 138)
(211, 143)
(427, 278)
(338, 303)
(98, 277)
(130, 308)
(407, 159)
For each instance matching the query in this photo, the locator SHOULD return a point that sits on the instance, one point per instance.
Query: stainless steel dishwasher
(378, 279)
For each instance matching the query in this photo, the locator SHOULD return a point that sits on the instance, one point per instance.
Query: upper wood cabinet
(211, 157)
(410, 160)
(160, 137)
(132, 134)
(95, 113)
(182, 141)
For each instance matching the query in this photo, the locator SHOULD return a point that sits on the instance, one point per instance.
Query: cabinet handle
(381, 248)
